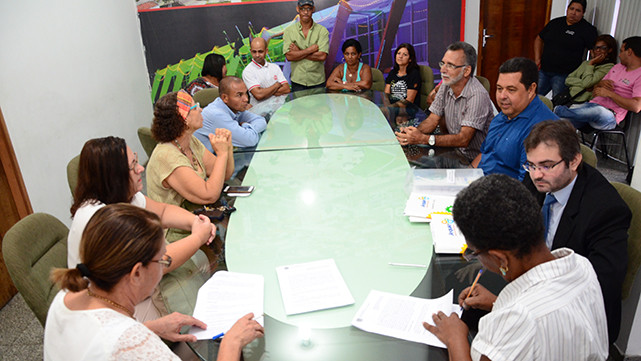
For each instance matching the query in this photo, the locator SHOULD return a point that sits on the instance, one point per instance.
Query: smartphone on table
(238, 191)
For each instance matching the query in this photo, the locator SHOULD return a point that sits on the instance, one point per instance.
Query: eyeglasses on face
(306, 9)
(196, 105)
(450, 66)
(543, 168)
(134, 164)
(165, 262)
(602, 48)
(471, 254)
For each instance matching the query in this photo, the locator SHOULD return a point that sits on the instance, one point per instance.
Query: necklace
(194, 161)
(117, 305)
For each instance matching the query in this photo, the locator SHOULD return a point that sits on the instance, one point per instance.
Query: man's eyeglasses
(165, 262)
(134, 163)
(543, 168)
(602, 48)
(306, 9)
(450, 66)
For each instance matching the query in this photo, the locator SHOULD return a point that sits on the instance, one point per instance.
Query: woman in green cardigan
(590, 72)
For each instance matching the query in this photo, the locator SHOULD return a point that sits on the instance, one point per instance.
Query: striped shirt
(554, 311)
(473, 108)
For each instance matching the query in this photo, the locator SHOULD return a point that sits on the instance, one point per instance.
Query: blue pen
(218, 336)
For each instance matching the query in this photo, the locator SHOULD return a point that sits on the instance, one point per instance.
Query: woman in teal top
(353, 75)
(590, 72)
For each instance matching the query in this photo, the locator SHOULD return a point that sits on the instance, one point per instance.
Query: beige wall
(70, 71)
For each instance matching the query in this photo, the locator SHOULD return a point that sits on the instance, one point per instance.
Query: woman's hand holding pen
(480, 298)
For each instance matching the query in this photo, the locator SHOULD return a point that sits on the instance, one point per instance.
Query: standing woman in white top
(552, 307)
(109, 172)
(123, 257)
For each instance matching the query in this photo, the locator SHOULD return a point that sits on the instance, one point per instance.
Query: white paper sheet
(403, 316)
(312, 286)
(447, 237)
(226, 297)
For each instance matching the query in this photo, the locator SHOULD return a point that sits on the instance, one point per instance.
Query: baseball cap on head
(302, 3)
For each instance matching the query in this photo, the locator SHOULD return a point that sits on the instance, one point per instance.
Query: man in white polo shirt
(263, 79)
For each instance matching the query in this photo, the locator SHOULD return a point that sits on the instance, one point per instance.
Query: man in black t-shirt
(560, 47)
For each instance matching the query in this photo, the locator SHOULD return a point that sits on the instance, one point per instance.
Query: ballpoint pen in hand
(478, 275)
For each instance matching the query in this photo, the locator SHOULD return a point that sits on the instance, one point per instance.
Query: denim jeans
(597, 116)
(551, 81)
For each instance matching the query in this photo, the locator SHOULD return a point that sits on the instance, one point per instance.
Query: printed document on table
(422, 205)
(225, 298)
(447, 237)
(403, 316)
(312, 286)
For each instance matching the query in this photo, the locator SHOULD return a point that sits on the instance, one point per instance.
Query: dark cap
(302, 3)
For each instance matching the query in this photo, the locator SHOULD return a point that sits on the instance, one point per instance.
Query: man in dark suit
(581, 209)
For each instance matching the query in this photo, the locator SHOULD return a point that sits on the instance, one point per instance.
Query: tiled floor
(21, 334)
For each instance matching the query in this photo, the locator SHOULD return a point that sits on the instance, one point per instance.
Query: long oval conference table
(331, 181)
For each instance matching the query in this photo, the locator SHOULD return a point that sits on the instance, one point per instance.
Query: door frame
(11, 169)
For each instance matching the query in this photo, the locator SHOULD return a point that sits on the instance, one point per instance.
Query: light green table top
(326, 120)
(341, 203)
(329, 181)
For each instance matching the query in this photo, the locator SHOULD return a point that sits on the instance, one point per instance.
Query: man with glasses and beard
(462, 107)
(581, 209)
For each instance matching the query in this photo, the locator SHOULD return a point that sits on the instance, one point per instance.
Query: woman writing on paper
(123, 257)
(552, 307)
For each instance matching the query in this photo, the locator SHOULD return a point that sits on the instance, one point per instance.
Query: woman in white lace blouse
(91, 318)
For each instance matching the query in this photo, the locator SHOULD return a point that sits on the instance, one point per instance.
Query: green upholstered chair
(588, 155)
(484, 82)
(631, 290)
(206, 96)
(632, 198)
(427, 76)
(547, 102)
(378, 80)
(32, 248)
(146, 140)
(72, 173)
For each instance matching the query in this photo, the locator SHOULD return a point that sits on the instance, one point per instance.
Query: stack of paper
(402, 316)
(421, 206)
(225, 298)
(446, 236)
(312, 286)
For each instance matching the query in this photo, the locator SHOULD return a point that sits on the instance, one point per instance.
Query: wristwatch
(432, 140)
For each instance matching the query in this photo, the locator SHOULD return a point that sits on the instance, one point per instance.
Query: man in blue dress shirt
(503, 151)
(229, 112)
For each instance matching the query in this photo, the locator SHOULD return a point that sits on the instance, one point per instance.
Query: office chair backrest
(146, 140)
(588, 155)
(547, 102)
(427, 76)
(483, 80)
(32, 248)
(206, 96)
(378, 80)
(632, 198)
(72, 173)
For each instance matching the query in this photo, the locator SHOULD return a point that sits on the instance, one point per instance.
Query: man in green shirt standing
(306, 45)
